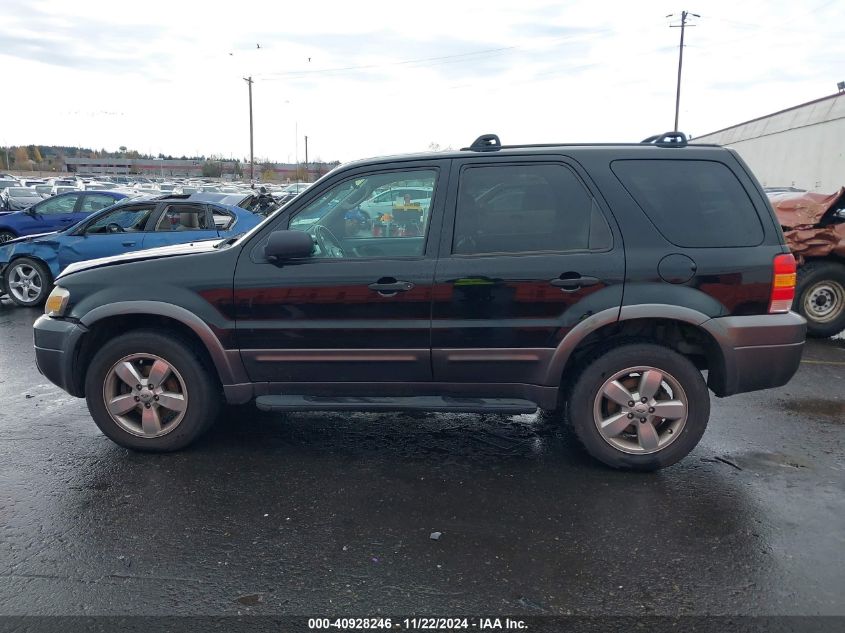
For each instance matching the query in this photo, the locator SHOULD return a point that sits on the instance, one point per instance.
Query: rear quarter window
(693, 203)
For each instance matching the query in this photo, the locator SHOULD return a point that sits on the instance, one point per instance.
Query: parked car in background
(29, 265)
(397, 197)
(814, 227)
(18, 198)
(45, 191)
(57, 189)
(9, 182)
(55, 213)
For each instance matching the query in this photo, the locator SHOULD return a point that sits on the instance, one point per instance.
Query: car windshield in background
(22, 192)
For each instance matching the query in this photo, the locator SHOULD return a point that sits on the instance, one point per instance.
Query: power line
(295, 73)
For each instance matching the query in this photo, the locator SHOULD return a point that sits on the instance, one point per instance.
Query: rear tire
(28, 282)
(820, 297)
(151, 392)
(639, 407)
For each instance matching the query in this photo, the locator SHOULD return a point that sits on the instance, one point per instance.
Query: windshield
(21, 192)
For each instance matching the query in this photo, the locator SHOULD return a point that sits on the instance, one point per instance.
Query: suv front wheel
(149, 391)
(639, 407)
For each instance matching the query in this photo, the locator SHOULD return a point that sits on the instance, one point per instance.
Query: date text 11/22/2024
(417, 624)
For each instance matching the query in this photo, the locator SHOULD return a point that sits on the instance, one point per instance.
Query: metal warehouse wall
(802, 147)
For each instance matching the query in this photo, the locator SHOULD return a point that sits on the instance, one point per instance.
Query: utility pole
(682, 25)
(249, 81)
(307, 179)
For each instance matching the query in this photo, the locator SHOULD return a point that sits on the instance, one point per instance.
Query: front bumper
(758, 352)
(57, 343)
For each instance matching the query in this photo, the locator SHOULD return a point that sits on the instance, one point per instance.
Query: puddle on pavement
(442, 436)
(755, 460)
(832, 409)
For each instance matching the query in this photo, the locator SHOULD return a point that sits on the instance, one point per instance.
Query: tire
(820, 297)
(180, 421)
(670, 437)
(28, 282)
(5, 236)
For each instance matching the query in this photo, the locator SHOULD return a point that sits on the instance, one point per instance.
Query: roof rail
(485, 143)
(667, 139)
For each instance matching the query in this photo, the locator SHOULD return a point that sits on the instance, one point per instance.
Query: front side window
(183, 217)
(122, 220)
(383, 214)
(524, 209)
(62, 204)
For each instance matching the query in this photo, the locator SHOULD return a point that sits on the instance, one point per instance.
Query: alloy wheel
(640, 410)
(145, 395)
(25, 283)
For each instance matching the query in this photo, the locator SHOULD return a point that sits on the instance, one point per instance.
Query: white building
(803, 146)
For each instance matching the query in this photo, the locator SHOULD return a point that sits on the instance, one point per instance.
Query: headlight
(57, 302)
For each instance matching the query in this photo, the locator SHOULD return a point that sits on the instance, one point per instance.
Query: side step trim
(438, 404)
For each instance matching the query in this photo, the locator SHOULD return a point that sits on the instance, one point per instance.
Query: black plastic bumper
(758, 352)
(56, 348)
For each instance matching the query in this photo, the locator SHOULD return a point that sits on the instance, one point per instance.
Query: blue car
(29, 265)
(56, 213)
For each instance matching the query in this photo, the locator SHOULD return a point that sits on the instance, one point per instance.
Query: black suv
(595, 281)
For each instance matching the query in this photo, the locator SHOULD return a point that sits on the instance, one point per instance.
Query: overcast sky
(364, 78)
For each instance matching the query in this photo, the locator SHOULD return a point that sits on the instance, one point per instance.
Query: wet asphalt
(331, 514)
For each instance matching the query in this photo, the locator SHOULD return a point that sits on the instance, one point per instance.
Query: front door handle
(129, 243)
(387, 286)
(571, 284)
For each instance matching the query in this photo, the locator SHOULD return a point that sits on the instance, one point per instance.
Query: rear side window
(524, 209)
(693, 203)
(183, 217)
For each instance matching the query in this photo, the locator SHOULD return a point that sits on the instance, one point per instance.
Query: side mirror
(288, 245)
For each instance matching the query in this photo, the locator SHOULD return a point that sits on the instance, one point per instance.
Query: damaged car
(814, 227)
(29, 265)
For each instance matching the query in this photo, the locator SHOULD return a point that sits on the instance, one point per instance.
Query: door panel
(498, 316)
(358, 309)
(287, 312)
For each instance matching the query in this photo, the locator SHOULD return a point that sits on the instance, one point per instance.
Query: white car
(386, 201)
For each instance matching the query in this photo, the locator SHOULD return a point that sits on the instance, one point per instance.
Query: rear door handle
(573, 283)
(389, 286)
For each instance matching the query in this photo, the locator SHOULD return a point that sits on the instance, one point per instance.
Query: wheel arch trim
(583, 329)
(229, 366)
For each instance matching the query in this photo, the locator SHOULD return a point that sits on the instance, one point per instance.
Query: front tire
(151, 392)
(820, 297)
(28, 282)
(639, 407)
(5, 236)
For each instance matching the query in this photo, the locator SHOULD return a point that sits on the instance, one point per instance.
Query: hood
(803, 208)
(30, 238)
(203, 246)
(809, 226)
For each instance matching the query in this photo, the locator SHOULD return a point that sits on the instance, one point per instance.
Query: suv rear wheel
(639, 407)
(149, 391)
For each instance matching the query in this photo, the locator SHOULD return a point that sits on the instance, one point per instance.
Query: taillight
(783, 284)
